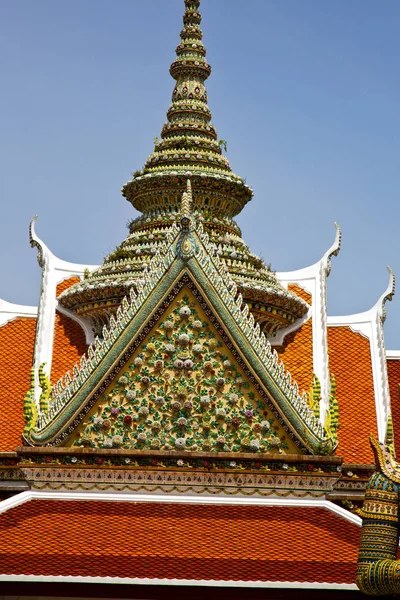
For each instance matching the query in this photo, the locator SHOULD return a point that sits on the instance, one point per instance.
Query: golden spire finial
(188, 145)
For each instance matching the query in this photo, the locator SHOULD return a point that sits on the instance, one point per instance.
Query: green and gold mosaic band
(378, 567)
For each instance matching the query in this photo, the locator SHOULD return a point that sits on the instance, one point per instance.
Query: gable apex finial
(186, 207)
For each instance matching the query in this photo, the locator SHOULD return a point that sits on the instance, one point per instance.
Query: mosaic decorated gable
(183, 390)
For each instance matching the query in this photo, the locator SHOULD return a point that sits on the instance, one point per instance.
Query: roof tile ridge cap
(66, 386)
(254, 336)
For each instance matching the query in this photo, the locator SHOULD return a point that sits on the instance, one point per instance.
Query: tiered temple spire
(189, 139)
(189, 143)
(188, 149)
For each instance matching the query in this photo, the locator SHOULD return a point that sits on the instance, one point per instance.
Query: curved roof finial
(334, 249)
(36, 242)
(387, 295)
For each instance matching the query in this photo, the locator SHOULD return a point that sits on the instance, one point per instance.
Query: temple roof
(187, 261)
(180, 540)
(355, 370)
(350, 361)
(393, 365)
(17, 340)
(201, 394)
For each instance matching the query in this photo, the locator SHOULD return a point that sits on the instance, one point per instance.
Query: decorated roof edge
(264, 354)
(378, 310)
(214, 269)
(291, 502)
(54, 270)
(313, 280)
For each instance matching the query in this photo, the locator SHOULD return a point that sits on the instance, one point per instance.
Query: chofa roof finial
(36, 242)
(387, 295)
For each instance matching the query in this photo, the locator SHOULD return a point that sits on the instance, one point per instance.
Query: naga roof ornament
(188, 148)
(378, 566)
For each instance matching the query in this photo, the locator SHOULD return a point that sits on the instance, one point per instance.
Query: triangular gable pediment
(185, 387)
(188, 264)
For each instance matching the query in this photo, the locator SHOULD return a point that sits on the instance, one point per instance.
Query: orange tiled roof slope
(301, 292)
(154, 540)
(16, 357)
(393, 367)
(350, 363)
(69, 346)
(296, 351)
(64, 285)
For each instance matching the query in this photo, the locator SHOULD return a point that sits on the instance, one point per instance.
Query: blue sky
(307, 94)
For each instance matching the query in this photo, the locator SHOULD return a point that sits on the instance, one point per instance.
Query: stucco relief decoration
(182, 391)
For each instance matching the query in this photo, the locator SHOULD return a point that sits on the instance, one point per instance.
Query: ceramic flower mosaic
(181, 392)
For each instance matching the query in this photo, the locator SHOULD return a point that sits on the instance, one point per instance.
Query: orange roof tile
(69, 346)
(301, 292)
(296, 351)
(65, 284)
(16, 357)
(393, 367)
(350, 363)
(153, 540)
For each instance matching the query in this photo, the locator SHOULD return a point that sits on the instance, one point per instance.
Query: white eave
(54, 270)
(176, 498)
(313, 280)
(10, 311)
